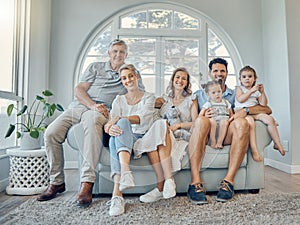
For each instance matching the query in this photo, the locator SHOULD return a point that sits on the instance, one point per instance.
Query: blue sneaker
(226, 191)
(196, 194)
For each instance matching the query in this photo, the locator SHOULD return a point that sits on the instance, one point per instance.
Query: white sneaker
(117, 206)
(169, 188)
(152, 196)
(126, 181)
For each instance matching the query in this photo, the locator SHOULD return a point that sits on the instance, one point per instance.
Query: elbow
(76, 91)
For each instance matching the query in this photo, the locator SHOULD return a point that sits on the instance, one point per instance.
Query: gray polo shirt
(105, 84)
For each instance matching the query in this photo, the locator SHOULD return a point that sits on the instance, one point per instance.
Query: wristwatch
(246, 109)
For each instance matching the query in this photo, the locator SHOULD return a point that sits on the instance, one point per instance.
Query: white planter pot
(27, 142)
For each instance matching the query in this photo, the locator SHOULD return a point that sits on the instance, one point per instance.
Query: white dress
(179, 147)
(251, 101)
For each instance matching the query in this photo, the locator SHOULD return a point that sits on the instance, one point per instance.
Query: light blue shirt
(202, 97)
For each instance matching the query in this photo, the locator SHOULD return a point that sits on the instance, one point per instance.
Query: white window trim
(205, 22)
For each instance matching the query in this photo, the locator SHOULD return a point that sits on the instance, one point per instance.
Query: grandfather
(98, 86)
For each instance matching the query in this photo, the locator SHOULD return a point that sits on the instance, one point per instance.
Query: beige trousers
(56, 134)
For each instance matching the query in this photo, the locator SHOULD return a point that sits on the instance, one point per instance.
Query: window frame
(20, 55)
(205, 22)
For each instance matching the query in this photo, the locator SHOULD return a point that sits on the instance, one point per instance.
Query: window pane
(183, 21)
(140, 46)
(215, 45)
(5, 121)
(137, 20)
(99, 47)
(160, 19)
(186, 47)
(142, 53)
(6, 44)
(149, 82)
(146, 65)
(181, 53)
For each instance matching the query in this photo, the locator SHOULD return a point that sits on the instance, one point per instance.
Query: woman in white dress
(179, 95)
(132, 129)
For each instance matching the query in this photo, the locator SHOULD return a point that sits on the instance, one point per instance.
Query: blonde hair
(129, 67)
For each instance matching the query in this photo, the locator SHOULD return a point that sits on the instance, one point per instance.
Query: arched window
(162, 37)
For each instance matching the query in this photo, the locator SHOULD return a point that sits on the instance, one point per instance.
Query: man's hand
(101, 108)
(159, 102)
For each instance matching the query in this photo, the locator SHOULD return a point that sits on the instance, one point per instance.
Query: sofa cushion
(214, 158)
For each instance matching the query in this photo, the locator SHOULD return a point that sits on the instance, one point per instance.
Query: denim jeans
(123, 142)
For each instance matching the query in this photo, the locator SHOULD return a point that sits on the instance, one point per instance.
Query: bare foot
(212, 144)
(279, 148)
(256, 157)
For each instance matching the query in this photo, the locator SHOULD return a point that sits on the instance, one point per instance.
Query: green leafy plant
(31, 120)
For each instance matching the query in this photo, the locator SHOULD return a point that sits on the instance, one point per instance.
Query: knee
(241, 126)
(51, 133)
(123, 122)
(202, 122)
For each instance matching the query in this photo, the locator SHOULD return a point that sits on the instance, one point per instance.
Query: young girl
(223, 112)
(250, 94)
(131, 128)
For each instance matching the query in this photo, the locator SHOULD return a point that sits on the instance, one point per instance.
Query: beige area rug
(276, 208)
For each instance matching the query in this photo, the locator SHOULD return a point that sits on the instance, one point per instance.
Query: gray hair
(117, 42)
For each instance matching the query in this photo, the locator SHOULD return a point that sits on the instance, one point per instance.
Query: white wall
(293, 37)
(39, 48)
(277, 72)
(257, 27)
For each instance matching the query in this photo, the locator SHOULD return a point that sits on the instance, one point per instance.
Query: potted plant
(33, 120)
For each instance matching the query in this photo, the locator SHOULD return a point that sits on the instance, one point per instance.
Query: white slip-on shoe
(152, 196)
(169, 188)
(126, 181)
(117, 206)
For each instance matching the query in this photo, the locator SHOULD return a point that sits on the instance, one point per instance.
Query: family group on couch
(111, 99)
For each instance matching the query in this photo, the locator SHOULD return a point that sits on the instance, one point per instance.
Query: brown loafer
(51, 192)
(84, 197)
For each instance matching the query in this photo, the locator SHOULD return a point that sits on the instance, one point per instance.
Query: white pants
(56, 133)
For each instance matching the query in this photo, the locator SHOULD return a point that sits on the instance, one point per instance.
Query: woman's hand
(210, 112)
(110, 123)
(175, 127)
(115, 130)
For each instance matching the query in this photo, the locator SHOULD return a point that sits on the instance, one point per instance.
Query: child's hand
(261, 88)
(254, 88)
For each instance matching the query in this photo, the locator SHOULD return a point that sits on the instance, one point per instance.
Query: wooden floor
(275, 181)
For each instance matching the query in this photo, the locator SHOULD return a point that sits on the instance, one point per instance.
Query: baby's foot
(279, 148)
(219, 146)
(213, 144)
(256, 157)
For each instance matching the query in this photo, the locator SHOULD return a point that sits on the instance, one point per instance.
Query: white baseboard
(3, 184)
(291, 169)
(71, 165)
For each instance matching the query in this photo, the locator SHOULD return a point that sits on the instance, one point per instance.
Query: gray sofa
(250, 175)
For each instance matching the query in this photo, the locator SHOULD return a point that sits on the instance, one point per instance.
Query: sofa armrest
(75, 137)
(255, 170)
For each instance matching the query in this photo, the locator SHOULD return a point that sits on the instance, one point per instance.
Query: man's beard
(220, 81)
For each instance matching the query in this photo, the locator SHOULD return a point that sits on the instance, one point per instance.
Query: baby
(222, 110)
